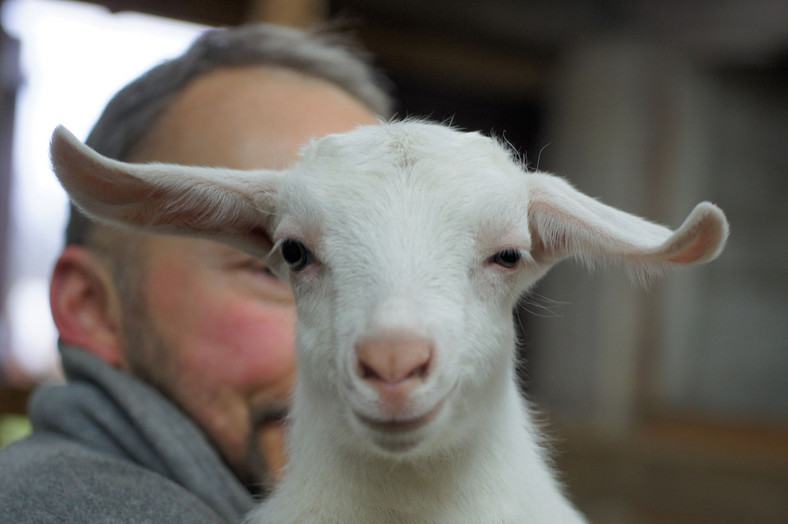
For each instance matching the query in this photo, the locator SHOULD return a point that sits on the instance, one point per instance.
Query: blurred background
(665, 405)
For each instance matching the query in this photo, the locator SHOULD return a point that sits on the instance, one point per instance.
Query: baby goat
(407, 246)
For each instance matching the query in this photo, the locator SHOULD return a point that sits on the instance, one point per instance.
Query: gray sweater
(108, 448)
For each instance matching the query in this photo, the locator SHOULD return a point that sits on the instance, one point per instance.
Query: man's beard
(151, 360)
(267, 416)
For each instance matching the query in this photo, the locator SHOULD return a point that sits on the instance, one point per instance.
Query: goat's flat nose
(393, 359)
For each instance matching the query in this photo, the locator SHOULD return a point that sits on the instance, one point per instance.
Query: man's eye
(296, 254)
(256, 266)
(267, 271)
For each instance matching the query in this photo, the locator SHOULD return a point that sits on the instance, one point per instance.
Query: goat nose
(393, 359)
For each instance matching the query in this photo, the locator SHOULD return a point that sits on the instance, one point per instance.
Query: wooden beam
(292, 13)
(456, 62)
(675, 473)
(208, 12)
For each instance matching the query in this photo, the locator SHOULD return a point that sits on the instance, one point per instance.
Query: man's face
(214, 329)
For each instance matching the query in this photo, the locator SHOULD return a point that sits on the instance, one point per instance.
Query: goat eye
(296, 254)
(507, 258)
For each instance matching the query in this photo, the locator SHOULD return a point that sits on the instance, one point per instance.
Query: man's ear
(86, 306)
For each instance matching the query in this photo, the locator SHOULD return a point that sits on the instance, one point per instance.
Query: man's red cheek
(258, 344)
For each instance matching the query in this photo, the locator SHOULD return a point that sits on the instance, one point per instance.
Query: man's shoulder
(46, 479)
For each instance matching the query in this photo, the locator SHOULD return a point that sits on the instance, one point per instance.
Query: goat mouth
(401, 425)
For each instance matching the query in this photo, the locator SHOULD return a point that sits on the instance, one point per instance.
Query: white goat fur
(403, 219)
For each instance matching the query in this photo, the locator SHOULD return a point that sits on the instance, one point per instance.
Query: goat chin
(476, 474)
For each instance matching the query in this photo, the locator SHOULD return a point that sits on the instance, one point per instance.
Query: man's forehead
(249, 118)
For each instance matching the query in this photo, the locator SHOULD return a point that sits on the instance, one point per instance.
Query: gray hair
(136, 108)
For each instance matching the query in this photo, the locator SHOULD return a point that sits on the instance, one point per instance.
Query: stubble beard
(153, 361)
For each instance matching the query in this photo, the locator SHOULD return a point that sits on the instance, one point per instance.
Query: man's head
(208, 325)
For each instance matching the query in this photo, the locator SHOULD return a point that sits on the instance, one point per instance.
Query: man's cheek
(255, 342)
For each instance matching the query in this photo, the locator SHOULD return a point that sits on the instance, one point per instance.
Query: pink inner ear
(694, 253)
(83, 173)
(700, 242)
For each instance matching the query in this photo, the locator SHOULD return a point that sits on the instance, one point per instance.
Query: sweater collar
(114, 413)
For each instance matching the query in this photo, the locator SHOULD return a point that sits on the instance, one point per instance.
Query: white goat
(408, 245)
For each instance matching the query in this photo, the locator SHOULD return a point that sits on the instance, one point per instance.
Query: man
(179, 352)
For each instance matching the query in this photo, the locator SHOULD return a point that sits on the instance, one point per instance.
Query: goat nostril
(420, 371)
(366, 372)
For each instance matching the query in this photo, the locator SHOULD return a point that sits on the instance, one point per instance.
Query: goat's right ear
(226, 205)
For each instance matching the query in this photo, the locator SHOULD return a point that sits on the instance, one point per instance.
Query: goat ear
(566, 223)
(227, 205)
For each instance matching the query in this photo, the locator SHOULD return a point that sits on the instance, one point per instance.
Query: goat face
(408, 248)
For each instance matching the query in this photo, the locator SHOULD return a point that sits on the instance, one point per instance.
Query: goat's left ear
(230, 206)
(566, 223)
